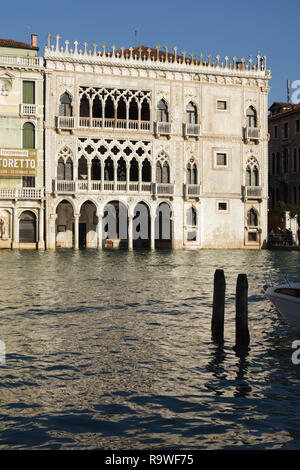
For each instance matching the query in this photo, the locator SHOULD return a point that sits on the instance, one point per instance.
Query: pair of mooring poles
(242, 337)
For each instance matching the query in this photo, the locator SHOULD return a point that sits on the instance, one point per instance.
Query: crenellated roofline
(143, 57)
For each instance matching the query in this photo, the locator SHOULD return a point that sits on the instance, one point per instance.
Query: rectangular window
(221, 105)
(275, 129)
(222, 206)
(252, 237)
(28, 92)
(221, 159)
(192, 236)
(297, 126)
(28, 181)
(285, 130)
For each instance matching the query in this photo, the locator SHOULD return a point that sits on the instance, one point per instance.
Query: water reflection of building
(21, 145)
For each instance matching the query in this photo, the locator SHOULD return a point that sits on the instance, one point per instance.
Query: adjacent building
(21, 145)
(284, 153)
(181, 140)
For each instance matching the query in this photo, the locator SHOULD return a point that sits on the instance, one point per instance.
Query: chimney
(34, 40)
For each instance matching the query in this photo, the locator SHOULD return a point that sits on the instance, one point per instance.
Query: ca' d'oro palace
(173, 146)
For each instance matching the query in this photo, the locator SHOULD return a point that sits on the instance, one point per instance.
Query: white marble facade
(150, 132)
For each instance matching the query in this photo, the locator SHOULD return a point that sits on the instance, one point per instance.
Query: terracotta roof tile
(16, 44)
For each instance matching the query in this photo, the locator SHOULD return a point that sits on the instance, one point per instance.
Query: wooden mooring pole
(217, 322)
(242, 337)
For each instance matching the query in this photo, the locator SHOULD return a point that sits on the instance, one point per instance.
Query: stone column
(15, 237)
(99, 232)
(41, 242)
(51, 239)
(76, 231)
(152, 230)
(89, 168)
(115, 175)
(130, 240)
(140, 177)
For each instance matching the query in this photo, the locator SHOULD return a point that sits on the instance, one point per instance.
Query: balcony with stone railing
(21, 193)
(28, 109)
(252, 192)
(191, 130)
(110, 123)
(191, 191)
(97, 186)
(162, 128)
(251, 133)
(65, 123)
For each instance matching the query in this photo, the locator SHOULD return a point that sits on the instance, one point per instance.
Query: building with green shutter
(21, 145)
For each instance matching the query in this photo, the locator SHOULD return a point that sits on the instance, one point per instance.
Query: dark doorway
(82, 235)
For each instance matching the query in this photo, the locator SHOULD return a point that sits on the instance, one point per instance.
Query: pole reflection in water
(113, 350)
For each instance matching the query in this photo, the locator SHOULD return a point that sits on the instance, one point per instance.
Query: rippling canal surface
(113, 350)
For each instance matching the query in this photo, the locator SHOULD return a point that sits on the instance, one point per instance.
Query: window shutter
(28, 136)
(28, 92)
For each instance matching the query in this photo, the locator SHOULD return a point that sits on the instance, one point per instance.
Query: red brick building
(284, 153)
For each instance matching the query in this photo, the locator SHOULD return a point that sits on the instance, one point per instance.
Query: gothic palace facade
(172, 148)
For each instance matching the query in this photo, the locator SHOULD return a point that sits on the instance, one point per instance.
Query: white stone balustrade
(21, 193)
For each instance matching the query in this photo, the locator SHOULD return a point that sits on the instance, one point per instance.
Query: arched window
(28, 136)
(109, 169)
(252, 219)
(134, 170)
(109, 108)
(162, 112)
(191, 216)
(61, 169)
(191, 114)
(65, 105)
(158, 173)
(97, 107)
(84, 109)
(145, 111)
(133, 110)
(165, 173)
(69, 170)
(121, 110)
(96, 169)
(252, 174)
(121, 170)
(146, 170)
(27, 227)
(251, 117)
(82, 168)
(191, 173)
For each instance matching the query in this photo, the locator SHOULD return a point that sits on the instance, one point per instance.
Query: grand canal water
(113, 350)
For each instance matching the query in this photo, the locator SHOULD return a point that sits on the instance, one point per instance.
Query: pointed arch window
(252, 173)
(134, 170)
(65, 105)
(191, 173)
(191, 113)
(109, 169)
(252, 219)
(251, 117)
(84, 108)
(162, 111)
(146, 170)
(191, 216)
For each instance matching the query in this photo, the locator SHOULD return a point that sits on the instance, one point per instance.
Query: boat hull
(287, 305)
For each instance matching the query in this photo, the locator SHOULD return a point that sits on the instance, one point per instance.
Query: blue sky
(233, 28)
